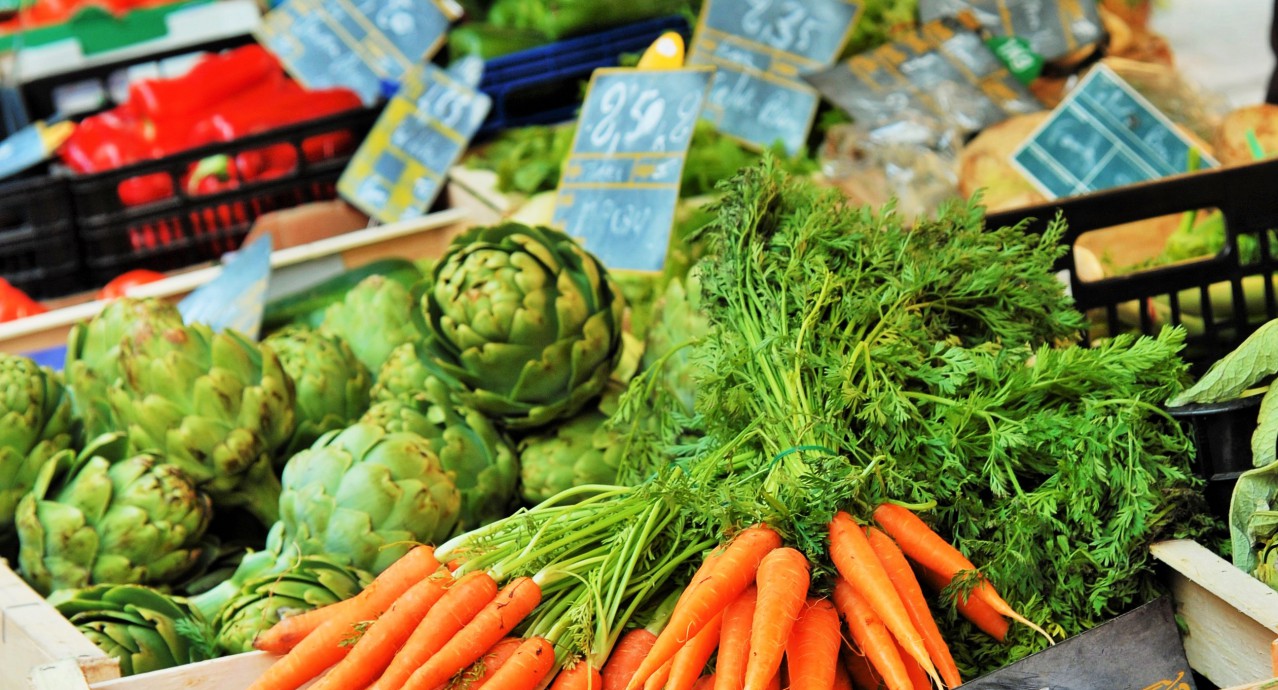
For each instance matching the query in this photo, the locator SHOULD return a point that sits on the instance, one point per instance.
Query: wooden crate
(1231, 617)
(33, 634)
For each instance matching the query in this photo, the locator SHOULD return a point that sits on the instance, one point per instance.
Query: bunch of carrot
(749, 607)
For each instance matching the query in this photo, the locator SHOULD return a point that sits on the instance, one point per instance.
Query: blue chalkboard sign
(620, 184)
(401, 166)
(760, 49)
(1103, 135)
(355, 43)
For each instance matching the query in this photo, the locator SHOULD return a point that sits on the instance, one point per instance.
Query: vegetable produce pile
(831, 415)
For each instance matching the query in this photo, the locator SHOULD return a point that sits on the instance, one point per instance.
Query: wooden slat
(1232, 618)
(235, 672)
(34, 634)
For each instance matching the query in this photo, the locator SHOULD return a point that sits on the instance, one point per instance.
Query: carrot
(871, 636)
(842, 681)
(757, 533)
(515, 601)
(775, 683)
(918, 679)
(527, 667)
(284, 635)
(783, 581)
(733, 571)
(323, 647)
(855, 560)
(812, 652)
(582, 676)
(984, 617)
(626, 657)
(705, 682)
(734, 642)
(688, 662)
(379, 643)
(929, 550)
(864, 677)
(907, 587)
(657, 681)
(380, 594)
(484, 668)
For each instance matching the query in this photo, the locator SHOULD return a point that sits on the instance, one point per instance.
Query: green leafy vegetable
(1253, 360)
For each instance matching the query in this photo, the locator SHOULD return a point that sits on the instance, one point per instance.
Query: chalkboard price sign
(400, 167)
(1103, 135)
(355, 43)
(759, 49)
(619, 186)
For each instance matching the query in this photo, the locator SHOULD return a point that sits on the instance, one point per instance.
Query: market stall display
(893, 409)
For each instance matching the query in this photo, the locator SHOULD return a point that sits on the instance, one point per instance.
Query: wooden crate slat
(234, 672)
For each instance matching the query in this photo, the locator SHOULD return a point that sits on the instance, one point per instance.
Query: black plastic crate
(187, 227)
(1246, 197)
(38, 249)
(1222, 434)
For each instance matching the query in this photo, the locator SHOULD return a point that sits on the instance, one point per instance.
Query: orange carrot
(733, 571)
(734, 642)
(284, 635)
(854, 558)
(515, 601)
(929, 550)
(812, 652)
(918, 679)
(775, 683)
(705, 682)
(864, 677)
(484, 668)
(323, 647)
(842, 681)
(463, 601)
(379, 643)
(871, 636)
(582, 676)
(907, 587)
(984, 617)
(527, 667)
(782, 581)
(625, 658)
(760, 533)
(687, 663)
(657, 681)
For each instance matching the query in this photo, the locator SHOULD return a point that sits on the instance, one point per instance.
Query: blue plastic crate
(542, 85)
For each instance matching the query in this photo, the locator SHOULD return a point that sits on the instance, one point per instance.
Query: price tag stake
(620, 184)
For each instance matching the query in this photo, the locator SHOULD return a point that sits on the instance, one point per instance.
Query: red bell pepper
(119, 286)
(213, 80)
(16, 304)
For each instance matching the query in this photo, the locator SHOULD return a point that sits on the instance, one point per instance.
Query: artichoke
(468, 445)
(35, 423)
(525, 322)
(332, 385)
(376, 317)
(364, 497)
(106, 517)
(214, 404)
(308, 583)
(145, 629)
(93, 355)
(678, 321)
(578, 452)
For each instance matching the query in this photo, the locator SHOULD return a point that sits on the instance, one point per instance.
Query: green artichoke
(364, 497)
(678, 321)
(578, 452)
(214, 404)
(145, 629)
(35, 423)
(93, 355)
(525, 321)
(332, 384)
(308, 583)
(468, 445)
(376, 317)
(107, 517)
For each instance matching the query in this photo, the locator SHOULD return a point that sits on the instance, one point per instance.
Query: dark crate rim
(1191, 410)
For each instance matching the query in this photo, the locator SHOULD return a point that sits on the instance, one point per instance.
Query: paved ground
(1223, 45)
